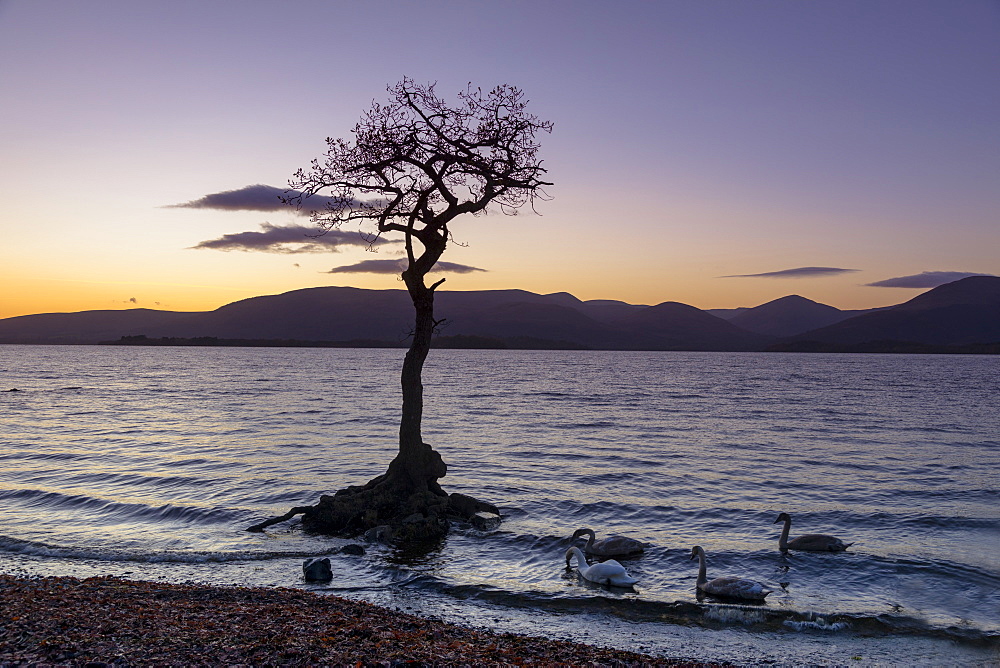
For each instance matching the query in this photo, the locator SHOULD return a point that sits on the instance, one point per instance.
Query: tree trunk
(407, 497)
(417, 464)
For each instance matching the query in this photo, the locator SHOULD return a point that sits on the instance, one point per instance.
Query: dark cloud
(453, 268)
(800, 272)
(396, 266)
(290, 239)
(926, 279)
(257, 197)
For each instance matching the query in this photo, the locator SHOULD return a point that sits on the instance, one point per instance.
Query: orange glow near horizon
(34, 296)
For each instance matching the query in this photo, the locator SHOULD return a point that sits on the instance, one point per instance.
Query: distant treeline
(902, 347)
(464, 342)
(143, 340)
(472, 342)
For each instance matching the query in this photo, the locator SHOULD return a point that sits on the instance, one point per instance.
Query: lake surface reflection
(149, 462)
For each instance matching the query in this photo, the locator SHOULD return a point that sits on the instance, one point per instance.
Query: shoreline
(66, 621)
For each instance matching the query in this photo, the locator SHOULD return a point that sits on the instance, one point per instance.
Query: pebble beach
(106, 621)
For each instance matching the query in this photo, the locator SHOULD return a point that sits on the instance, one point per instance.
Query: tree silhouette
(416, 164)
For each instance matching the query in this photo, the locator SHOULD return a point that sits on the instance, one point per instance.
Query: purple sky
(701, 149)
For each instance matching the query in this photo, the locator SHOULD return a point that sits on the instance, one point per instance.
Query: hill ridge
(963, 313)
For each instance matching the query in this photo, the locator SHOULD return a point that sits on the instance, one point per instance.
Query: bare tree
(415, 165)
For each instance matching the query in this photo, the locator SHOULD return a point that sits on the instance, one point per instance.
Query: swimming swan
(612, 546)
(727, 587)
(812, 542)
(608, 572)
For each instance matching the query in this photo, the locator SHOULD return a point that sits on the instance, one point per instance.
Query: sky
(715, 153)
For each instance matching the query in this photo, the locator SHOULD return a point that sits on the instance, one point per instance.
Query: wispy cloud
(396, 266)
(290, 239)
(257, 197)
(926, 279)
(799, 272)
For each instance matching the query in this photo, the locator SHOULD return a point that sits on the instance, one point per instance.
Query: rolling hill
(340, 314)
(960, 313)
(966, 312)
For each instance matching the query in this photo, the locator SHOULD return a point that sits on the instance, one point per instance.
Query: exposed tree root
(412, 507)
(297, 510)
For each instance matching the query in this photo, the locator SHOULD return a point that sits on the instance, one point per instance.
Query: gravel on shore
(106, 621)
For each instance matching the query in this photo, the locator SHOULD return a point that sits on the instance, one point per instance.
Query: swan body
(810, 542)
(727, 587)
(612, 546)
(608, 572)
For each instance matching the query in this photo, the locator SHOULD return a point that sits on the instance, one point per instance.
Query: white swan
(608, 572)
(727, 587)
(612, 546)
(811, 542)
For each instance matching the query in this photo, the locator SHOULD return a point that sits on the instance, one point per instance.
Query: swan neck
(702, 577)
(783, 540)
(576, 552)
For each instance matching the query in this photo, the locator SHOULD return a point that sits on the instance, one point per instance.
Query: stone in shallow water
(317, 569)
(485, 521)
(379, 534)
(353, 548)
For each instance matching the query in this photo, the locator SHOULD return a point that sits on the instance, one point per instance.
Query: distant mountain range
(963, 316)
(787, 316)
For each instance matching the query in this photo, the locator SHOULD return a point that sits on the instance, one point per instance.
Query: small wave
(818, 624)
(598, 424)
(38, 549)
(132, 511)
(42, 456)
(101, 480)
(735, 614)
(757, 618)
(925, 520)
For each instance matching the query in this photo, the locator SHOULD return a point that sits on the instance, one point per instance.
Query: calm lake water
(148, 463)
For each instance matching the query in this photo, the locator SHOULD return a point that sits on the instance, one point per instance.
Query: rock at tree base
(380, 534)
(381, 516)
(484, 521)
(398, 506)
